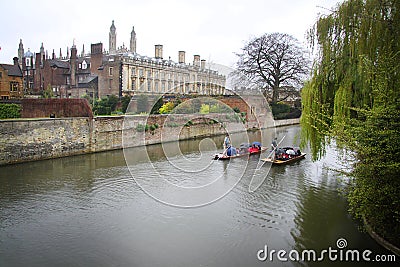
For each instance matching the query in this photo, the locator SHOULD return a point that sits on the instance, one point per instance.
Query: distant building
(120, 71)
(11, 80)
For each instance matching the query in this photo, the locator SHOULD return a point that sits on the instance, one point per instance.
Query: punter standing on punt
(227, 143)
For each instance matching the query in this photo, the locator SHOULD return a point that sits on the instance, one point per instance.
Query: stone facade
(37, 139)
(24, 140)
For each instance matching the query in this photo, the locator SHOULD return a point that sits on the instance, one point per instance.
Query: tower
(133, 40)
(113, 39)
(20, 52)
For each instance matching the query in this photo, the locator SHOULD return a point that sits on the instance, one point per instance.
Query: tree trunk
(275, 94)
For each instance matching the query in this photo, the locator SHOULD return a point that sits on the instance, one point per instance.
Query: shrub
(166, 108)
(9, 111)
(141, 127)
(189, 123)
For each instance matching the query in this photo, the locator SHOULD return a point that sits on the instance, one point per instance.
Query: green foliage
(189, 123)
(236, 109)
(156, 107)
(353, 96)
(125, 103)
(204, 109)
(152, 128)
(278, 108)
(282, 111)
(9, 111)
(166, 108)
(112, 102)
(102, 106)
(48, 92)
(142, 128)
(220, 108)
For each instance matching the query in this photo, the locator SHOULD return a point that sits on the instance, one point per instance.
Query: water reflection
(88, 211)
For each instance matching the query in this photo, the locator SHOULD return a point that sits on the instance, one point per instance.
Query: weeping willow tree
(353, 96)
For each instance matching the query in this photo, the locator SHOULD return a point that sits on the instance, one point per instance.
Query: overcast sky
(214, 29)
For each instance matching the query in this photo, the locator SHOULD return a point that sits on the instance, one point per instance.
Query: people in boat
(231, 151)
(279, 153)
(274, 144)
(244, 148)
(254, 149)
(290, 152)
(227, 143)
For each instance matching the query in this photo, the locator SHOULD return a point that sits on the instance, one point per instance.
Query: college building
(120, 71)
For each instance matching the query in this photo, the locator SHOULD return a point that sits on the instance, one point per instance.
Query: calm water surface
(89, 211)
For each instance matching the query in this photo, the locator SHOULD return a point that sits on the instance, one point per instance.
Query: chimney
(196, 61)
(203, 64)
(73, 65)
(15, 60)
(96, 58)
(181, 57)
(158, 51)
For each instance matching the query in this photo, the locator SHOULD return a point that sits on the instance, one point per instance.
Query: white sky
(214, 29)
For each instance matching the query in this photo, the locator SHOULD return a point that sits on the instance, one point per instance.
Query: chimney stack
(203, 64)
(196, 61)
(181, 57)
(158, 51)
(73, 60)
(15, 60)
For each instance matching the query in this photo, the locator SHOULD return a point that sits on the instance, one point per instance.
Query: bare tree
(276, 63)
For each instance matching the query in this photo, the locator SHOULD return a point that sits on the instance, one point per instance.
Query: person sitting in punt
(290, 152)
(254, 149)
(231, 151)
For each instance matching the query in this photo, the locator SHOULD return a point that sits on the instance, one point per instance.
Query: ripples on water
(89, 211)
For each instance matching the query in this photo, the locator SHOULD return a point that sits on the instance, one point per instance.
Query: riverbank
(23, 140)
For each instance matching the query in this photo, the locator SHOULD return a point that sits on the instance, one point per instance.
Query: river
(91, 210)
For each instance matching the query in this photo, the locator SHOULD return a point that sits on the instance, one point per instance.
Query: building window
(149, 86)
(149, 74)
(110, 71)
(1, 75)
(133, 84)
(163, 87)
(156, 86)
(14, 86)
(109, 84)
(141, 72)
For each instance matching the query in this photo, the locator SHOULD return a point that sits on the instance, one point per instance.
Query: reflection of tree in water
(322, 218)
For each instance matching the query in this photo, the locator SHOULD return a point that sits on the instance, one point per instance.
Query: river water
(91, 210)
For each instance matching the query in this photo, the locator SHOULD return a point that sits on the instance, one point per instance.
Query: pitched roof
(88, 79)
(59, 64)
(13, 70)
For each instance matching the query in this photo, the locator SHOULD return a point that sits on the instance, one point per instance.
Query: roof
(59, 64)
(13, 70)
(89, 79)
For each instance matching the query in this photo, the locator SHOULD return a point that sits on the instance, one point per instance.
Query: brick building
(120, 71)
(11, 80)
